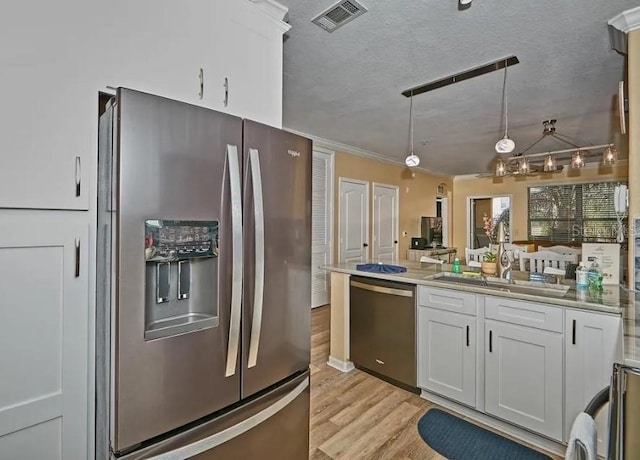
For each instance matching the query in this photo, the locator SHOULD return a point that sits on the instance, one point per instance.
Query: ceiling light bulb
(609, 156)
(523, 166)
(501, 168)
(412, 160)
(577, 159)
(549, 163)
(505, 145)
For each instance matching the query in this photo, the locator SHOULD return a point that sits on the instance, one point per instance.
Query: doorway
(353, 220)
(321, 225)
(385, 222)
(497, 209)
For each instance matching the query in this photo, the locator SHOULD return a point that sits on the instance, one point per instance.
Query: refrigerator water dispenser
(181, 280)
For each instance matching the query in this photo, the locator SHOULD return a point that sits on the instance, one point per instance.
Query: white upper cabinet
(252, 57)
(55, 62)
(47, 116)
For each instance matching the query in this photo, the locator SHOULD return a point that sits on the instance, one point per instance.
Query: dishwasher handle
(382, 289)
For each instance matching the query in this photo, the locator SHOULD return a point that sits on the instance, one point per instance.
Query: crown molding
(627, 21)
(357, 151)
(275, 11)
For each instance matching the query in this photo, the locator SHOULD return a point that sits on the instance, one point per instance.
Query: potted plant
(489, 259)
(489, 264)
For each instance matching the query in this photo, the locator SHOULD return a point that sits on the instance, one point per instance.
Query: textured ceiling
(346, 85)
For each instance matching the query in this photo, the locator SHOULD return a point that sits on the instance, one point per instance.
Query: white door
(593, 342)
(385, 222)
(321, 224)
(43, 337)
(354, 220)
(447, 354)
(523, 376)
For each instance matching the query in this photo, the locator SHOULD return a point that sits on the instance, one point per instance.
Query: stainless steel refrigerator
(204, 284)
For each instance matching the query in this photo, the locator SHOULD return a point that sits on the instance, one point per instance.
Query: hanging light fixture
(549, 163)
(609, 156)
(501, 168)
(523, 166)
(577, 159)
(505, 145)
(412, 159)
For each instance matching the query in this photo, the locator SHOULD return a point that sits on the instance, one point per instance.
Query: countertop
(612, 300)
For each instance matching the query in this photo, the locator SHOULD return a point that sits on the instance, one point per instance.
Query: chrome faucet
(504, 263)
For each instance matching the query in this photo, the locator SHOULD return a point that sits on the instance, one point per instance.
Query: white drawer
(524, 313)
(447, 299)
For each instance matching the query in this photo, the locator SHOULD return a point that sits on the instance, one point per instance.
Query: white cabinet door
(593, 342)
(321, 226)
(159, 47)
(48, 115)
(447, 354)
(43, 337)
(523, 377)
(251, 44)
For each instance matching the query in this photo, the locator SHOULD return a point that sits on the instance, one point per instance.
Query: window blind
(574, 212)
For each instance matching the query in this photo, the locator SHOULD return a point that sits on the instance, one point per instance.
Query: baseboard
(540, 442)
(342, 366)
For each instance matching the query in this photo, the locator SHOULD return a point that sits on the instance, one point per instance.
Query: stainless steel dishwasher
(382, 329)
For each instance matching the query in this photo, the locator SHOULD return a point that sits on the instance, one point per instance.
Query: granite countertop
(613, 299)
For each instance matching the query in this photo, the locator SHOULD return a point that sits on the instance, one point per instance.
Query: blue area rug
(458, 439)
(380, 268)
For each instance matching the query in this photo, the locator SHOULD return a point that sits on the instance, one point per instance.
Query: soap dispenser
(456, 266)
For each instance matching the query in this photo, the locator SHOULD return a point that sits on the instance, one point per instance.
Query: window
(574, 213)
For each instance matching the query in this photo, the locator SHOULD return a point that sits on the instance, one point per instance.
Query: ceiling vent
(339, 14)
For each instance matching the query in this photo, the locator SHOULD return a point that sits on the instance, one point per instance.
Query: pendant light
(549, 163)
(523, 166)
(577, 159)
(505, 145)
(501, 168)
(412, 159)
(609, 156)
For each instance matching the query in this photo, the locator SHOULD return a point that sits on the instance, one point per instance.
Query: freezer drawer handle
(236, 272)
(382, 289)
(223, 436)
(258, 294)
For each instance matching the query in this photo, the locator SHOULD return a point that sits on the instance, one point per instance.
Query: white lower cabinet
(523, 376)
(44, 321)
(542, 363)
(592, 344)
(447, 354)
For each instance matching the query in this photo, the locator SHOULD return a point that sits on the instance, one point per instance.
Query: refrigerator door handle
(237, 269)
(258, 296)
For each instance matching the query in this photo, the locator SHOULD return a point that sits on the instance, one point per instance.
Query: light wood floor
(357, 416)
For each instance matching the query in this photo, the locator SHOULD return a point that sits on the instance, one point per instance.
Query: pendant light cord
(506, 103)
(411, 122)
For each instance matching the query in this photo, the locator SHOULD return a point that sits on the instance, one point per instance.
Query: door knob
(395, 242)
(365, 245)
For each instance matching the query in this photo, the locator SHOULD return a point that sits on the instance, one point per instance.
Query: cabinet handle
(490, 341)
(226, 91)
(467, 335)
(78, 175)
(77, 269)
(365, 245)
(201, 77)
(573, 332)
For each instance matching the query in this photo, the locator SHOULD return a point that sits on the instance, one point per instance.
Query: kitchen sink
(515, 286)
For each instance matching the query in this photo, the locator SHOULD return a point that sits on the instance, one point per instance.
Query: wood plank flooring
(357, 416)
